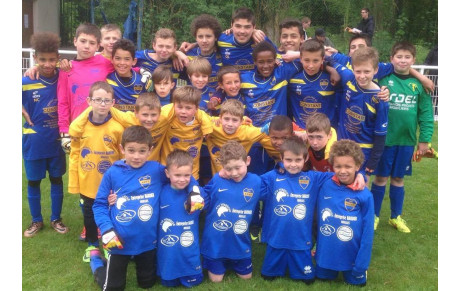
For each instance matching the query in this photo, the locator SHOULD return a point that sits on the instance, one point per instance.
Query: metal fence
(28, 61)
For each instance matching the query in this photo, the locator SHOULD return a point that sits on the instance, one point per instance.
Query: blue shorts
(329, 274)
(396, 161)
(187, 281)
(205, 162)
(260, 160)
(36, 169)
(219, 266)
(276, 262)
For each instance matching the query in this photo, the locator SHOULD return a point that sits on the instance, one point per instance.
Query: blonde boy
(187, 127)
(198, 71)
(94, 148)
(231, 117)
(110, 33)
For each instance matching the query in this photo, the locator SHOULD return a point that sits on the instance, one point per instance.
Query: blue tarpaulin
(130, 25)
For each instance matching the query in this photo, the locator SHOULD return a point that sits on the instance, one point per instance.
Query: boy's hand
(228, 31)
(32, 73)
(180, 61)
(302, 134)
(428, 85)
(112, 198)
(328, 50)
(289, 56)
(384, 94)
(213, 102)
(359, 182)
(65, 65)
(223, 174)
(424, 150)
(111, 240)
(186, 46)
(246, 120)
(65, 142)
(335, 77)
(194, 201)
(258, 35)
(27, 116)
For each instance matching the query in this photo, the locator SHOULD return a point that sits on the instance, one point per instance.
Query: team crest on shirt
(273, 82)
(413, 86)
(137, 88)
(247, 194)
(196, 130)
(304, 181)
(108, 140)
(350, 204)
(145, 181)
(323, 83)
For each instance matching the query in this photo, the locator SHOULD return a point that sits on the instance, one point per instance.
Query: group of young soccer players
(299, 128)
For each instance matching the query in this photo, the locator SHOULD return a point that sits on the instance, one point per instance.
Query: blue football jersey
(311, 94)
(126, 93)
(361, 114)
(267, 97)
(148, 63)
(206, 94)
(385, 69)
(39, 98)
(214, 59)
(235, 54)
(178, 251)
(229, 208)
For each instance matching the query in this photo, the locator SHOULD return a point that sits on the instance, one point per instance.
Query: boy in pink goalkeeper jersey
(73, 85)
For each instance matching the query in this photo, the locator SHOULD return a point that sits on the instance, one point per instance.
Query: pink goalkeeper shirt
(73, 87)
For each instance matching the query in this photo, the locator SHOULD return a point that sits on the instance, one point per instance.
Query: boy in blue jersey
(229, 80)
(129, 227)
(163, 83)
(206, 29)
(311, 90)
(41, 148)
(230, 204)
(363, 118)
(236, 48)
(345, 219)
(291, 35)
(410, 107)
(178, 232)
(126, 83)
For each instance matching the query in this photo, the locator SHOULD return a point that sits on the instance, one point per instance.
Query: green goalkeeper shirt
(410, 106)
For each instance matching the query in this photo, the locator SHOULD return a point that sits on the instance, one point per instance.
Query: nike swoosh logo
(327, 197)
(162, 207)
(279, 180)
(222, 190)
(83, 137)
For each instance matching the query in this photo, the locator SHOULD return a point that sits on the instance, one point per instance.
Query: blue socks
(396, 200)
(33, 196)
(57, 195)
(96, 262)
(378, 193)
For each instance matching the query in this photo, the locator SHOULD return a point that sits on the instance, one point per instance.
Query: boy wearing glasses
(92, 151)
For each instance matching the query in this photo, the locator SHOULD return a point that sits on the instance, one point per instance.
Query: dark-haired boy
(126, 83)
(410, 107)
(291, 35)
(41, 148)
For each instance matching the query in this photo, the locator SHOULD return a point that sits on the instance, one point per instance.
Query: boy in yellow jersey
(231, 128)
(146, 113)
(187, 127)
(110, 33)
(94, 149)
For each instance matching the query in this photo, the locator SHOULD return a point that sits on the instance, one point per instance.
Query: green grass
(51, 261)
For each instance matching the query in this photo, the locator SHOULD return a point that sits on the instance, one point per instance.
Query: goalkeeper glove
(111, 240)
(65, 142)
(194, 201)
(146, 75)
(430, 153)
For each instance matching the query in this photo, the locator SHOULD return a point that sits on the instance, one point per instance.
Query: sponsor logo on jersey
(125, 216)
(345, 233)
(355, 115)
(186, 239)
(325, 213)
(350, 204)
(298, 90)
(103, 166)
(145, 212)
(121, 200)
(174, 139)
(247, 194)
(327, 230)
(193, 151)
(87, 166)
(299, 212)
(107, 140)
(145, 181)
(227, 53)
(304, 181)
(251, 93)
(166, 224)
(282, 210)
(222, 208)
(222, 225)
(169, 240)
(307, 270)
(221, 190)
(280, 193)
(240, 226)
(84, 152)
